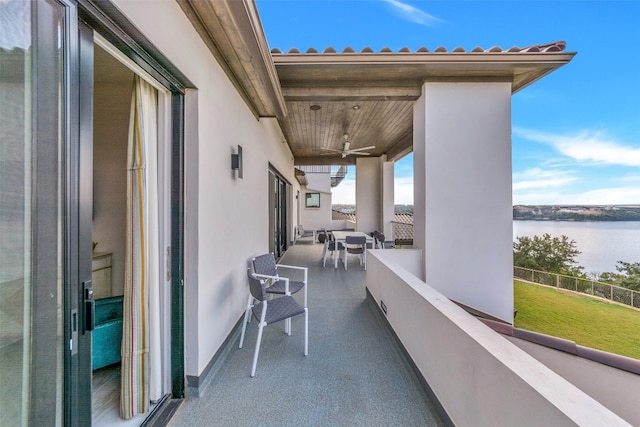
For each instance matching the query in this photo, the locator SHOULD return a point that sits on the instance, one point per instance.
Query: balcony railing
(580, 284)
(338, 173)
(479, 376)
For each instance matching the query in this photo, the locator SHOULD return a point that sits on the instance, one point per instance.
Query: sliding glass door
(278, 218)
(32, 211)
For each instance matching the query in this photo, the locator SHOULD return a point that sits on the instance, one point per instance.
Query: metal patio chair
(330, 245)
(384, 244)
(265, 267)
(356, 245)
(271, 311)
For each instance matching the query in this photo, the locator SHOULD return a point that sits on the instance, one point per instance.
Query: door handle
(89, 306)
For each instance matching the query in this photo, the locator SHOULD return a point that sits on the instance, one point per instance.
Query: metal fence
(579, 284)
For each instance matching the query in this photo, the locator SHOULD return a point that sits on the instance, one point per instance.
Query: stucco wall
(368, 194)
(112, 104)
(317, 218)
(232, 217)
(480, 378)
(462, 186)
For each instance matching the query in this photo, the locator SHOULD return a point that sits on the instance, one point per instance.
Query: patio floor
(355, 374)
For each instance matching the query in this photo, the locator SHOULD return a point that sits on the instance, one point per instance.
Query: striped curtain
(135, 369)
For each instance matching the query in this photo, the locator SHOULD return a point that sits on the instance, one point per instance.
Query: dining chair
(330, 245)
(384, 244)
(306, 233)
(375, 234)
(356, 245)
(271, 311)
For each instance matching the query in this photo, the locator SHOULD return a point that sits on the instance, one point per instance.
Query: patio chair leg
(244, 324)
(306, 331)
(255, 354)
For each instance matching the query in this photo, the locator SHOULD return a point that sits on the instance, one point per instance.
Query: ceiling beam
(351, 93)
(232, 31)
(324, 160)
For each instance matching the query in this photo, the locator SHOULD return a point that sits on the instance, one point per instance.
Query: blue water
(602, 243)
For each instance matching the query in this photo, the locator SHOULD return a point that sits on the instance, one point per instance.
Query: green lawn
(587, 321)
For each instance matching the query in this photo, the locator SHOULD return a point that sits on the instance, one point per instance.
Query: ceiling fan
(346, 150)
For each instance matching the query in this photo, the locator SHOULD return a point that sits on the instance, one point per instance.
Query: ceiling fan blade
(371, 147)
(357, 153)
(333, 149)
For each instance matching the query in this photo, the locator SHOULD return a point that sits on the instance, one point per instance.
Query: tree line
(558, 255)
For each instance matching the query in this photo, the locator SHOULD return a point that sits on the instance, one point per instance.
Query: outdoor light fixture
(315, 107)
(236, 162)
(356, 107)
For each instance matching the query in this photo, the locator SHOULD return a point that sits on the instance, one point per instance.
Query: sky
(575, 132)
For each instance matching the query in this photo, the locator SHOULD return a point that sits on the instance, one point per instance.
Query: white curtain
(150, 96)
(140, 369)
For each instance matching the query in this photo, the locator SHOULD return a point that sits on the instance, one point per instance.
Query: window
(312, 200)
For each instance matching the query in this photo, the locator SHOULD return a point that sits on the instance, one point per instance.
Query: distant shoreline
(577, 213)
(581, 213)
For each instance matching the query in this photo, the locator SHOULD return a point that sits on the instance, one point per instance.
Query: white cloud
(607, 196)
(586, 146)
(600, 196)
(344, 193)
(411, 13)
(536, 178)
(403, 191)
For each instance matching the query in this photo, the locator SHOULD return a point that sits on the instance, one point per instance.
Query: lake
(602, 243)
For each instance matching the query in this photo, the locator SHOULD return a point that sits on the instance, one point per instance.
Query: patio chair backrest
(375, 234)
(265, 264)
(355, 240)
(256, 287)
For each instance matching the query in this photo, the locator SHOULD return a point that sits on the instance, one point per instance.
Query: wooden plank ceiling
(319, 97)
(310, 132)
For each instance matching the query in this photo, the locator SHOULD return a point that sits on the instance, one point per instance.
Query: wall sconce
(236, 162)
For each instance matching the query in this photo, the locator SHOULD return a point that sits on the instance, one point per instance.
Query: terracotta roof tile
(558, 46)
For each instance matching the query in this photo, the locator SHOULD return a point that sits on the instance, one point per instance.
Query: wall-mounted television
(312, 200)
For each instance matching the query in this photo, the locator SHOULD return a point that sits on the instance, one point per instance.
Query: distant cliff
(577, 213)
(549, 212)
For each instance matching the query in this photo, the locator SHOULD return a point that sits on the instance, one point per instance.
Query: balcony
(357, 373)
(337, 173)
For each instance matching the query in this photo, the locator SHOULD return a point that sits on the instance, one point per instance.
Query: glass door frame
(279, 201)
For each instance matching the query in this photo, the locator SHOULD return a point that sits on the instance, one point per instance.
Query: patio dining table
(340, 237)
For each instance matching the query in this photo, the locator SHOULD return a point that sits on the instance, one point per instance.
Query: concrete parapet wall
(479, 377)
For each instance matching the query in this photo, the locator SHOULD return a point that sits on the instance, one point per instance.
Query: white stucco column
(462, 193)
(374, 195)
(388, 199)
(368, 193)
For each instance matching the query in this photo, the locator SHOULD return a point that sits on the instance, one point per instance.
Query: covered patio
(355, 373)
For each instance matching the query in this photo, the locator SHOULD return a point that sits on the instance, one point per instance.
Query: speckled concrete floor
(354, 375)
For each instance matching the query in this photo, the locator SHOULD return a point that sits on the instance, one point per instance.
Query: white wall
(368, 194)
(316, 218)
(462, 155)
(232, 213)
(388, 199)
(112, 104)
(319, 182)
(479, 377)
